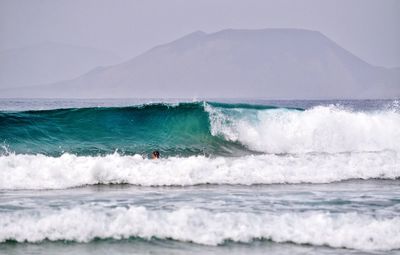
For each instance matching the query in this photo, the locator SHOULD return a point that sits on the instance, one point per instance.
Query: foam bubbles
(18, 171)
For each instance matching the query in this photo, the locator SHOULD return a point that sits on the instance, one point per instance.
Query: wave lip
(44, 172)
(347, 230)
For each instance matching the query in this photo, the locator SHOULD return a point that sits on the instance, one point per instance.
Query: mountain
(48, 63)
(267, 63)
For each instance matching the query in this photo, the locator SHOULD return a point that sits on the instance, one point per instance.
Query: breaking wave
(200, 128)
(329, 129)
(84, 224)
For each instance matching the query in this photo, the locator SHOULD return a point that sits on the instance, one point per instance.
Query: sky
(369, 29)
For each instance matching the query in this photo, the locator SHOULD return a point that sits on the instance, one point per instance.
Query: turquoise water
(182, 129)
(237, 177)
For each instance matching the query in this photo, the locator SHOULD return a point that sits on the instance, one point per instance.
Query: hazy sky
(369, 29)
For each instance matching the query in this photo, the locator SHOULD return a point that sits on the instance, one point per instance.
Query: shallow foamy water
(280, 219)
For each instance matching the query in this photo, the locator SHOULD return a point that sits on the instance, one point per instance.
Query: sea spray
(319, 129)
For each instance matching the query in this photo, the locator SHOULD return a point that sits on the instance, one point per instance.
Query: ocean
(234, 176)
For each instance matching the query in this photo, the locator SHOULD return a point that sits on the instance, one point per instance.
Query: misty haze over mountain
(49, 62)
(266, 63)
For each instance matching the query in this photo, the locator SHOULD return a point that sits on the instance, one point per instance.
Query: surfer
(155, 155)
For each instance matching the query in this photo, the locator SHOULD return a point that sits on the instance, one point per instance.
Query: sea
(235, 176)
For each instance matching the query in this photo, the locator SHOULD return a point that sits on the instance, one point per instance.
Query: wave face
(83, 224)
(181, 129)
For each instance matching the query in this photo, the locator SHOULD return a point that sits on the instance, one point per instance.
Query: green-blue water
(182, 129)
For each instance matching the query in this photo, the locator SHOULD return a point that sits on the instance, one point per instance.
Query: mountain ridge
(267, 63)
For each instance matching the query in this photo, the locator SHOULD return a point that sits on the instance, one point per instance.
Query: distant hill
(48, 63)
(268, 63)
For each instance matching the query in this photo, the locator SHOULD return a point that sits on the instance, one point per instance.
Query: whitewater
(72, 171)
(244, 176)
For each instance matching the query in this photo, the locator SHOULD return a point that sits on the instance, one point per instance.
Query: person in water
(155, 155)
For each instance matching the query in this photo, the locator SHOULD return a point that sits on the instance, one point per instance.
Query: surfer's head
(155, 155)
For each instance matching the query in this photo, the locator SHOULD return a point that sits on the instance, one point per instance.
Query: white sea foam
(83, 224)
(19, 171)
(320, 129)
